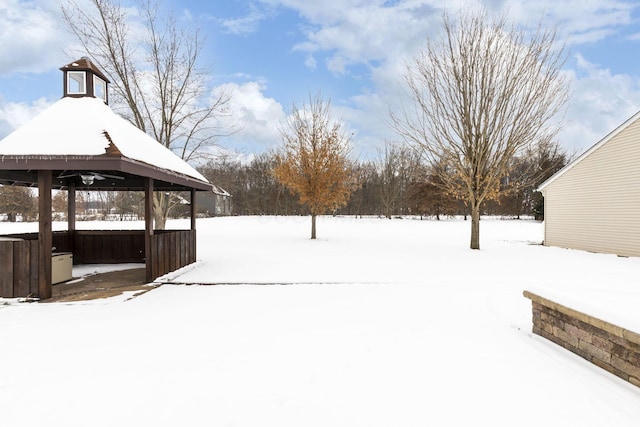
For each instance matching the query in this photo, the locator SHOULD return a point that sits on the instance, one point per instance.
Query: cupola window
(99, 88)
(76, 82)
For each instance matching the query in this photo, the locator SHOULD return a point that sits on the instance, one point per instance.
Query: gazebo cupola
(83, 79)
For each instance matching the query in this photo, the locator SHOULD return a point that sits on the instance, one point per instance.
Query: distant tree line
(21, 204)
(395, 184)
(398, 183)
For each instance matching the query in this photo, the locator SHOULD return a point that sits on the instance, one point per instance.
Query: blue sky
(271, 53)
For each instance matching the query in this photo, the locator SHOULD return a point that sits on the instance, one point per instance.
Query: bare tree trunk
(160, 210)
(313, 227)
(475, 226)
(160, 220)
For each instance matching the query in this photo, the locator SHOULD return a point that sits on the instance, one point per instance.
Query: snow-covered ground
(377, 323)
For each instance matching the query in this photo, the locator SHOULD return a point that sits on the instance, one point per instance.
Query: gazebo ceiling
(108, 173)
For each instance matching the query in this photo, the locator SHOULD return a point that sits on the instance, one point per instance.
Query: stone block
(623, 365)
(605, 344)
(594, 351)
(553, 321)
(565, 337)
(630, 356)
(545, 327)
(577, 333)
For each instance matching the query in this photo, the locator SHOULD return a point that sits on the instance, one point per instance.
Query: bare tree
(129, 204)
(526, 171)
(60, 205)
(427, 195)
(155, 72)
(365, 199)
(314, 159)
(548, 159)
(16, 201)
(482, 93)
(398, 164)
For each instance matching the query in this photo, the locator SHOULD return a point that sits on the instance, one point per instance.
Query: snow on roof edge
(77, 126)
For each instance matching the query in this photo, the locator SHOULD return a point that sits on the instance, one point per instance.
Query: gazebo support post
(71, 208)
(45, 236)
(193, 225)
(71, 216)
(148, 227)
(193, 209)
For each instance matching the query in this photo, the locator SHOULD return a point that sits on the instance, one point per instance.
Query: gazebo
(80, 144)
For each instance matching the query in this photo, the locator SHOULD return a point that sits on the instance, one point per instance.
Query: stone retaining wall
(608, 346)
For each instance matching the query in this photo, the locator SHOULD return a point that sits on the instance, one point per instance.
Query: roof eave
(102, 163)
(588, 152)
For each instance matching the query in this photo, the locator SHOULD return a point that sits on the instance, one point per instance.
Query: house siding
(595, 206)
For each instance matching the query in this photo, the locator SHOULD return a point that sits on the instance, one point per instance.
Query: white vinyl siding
(595, 206)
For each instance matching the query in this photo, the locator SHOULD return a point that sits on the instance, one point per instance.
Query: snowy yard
(380, 323)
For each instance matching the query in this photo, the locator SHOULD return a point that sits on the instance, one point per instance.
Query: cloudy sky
(272, 53)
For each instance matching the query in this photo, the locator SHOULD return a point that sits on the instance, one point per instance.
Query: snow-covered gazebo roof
(81, 135)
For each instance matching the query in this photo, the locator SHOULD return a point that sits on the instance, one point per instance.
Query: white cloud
(13, 114)
(258, 117)
(31, 37)
(601, 102)
(367, 32)
(385, 35)
(245, 24)
(321, 12)
(367, 118)
(311, 62)
(359, 31)
(581, 21)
